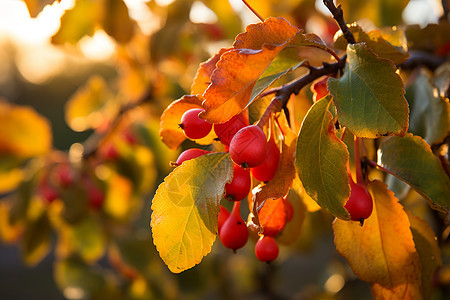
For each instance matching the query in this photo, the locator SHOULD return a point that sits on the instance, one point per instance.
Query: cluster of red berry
(252, 155)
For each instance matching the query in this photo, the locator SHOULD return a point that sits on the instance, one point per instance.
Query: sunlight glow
(98, 47)
(335, 283)
(200, 13)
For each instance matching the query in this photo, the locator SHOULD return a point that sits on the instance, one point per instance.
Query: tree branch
(92, 145)
(283, 93)
(422, 58)
(338, 15)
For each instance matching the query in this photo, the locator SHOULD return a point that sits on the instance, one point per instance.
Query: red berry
(240, 186)
(248, 147)
(320, 88)
(110, 152)
(227, 130)
(360, 204)
(64, 175)
(95, 196)
(266, 171)
(223, 216)
(190, 154)
(234, 232)
(193, 126)
(266, 249)
(48, 192)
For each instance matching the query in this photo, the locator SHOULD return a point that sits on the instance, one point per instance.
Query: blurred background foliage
(82, 86)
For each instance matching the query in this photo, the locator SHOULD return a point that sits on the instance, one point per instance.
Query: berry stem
(236, 208)
(253, 10)
(374, 164)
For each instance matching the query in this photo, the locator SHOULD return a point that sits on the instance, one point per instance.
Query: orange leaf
(382, 251)
(238, 70)
(293, 228)
(272, 216)
(170, 132)
(204, 72)
(273, 31)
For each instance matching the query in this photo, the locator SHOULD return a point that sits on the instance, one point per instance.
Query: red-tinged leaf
(273, 31)
(170, 132)
(282, 181)
(382, 251)
(243, 73)
(204, 72)
(23, 132)
(428, 250)
(272, 216)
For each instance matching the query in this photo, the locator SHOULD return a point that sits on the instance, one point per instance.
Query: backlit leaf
(410, 158)
(428, 250)
(204, 72)
(185, 210)
(279, 186)
(369, 97)
(170, 132)
(24, 133)
(117, 22)
(78, 22)
(234, 81)
(321, 160)
(390, 45)
(429, 117)
(9, 232)
(87, 107)
(382, 251)
(293, 228)
(36, 6)
(272, 216)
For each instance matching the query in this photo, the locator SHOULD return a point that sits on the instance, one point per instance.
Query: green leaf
(185, 210)
(410, 159)
(429, 117)
(388, 44)
(321, 160)
(36, 239)
(369, 97)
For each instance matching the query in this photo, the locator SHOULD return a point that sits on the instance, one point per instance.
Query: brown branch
(338, 15)
(283, 93)
(445, 10)
(422, 58)
(253, 11)
(92, 145)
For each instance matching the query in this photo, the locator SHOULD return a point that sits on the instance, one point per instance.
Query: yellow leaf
(36, 6)
(170, 132)
(186, 207)
(24, 133)
(88, 107)
(382, 251)
(119, 198)
(9, 233)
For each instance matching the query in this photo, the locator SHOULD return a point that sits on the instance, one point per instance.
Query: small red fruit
(190, 154)
(266, 249)
(240, 186)
(248, 147)
(193, 126)
(227, 130)
(266, 171)
(48, 193)
(223, 216)
(360, 204)
(234, 232)
(64, 175)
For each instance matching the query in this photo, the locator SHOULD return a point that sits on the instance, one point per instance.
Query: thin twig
(374, 164)
(283, 93)
(422, 58)
(93, 144)
(338, 15)
(253, 11)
